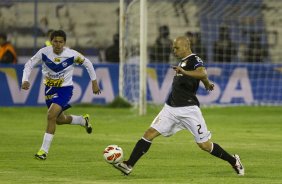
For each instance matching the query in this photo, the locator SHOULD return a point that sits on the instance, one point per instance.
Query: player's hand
(209, 87)
(25, 85)
(178, 69)
(95, 87)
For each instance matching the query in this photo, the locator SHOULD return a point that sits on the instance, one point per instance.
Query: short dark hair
(4, 36)
(59, 33)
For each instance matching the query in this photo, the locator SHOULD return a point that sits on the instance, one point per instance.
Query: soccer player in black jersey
(181, 111)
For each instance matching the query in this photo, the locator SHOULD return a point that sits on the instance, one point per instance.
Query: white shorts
(173, 119)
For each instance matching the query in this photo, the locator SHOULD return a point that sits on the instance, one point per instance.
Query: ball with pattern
(113, 154)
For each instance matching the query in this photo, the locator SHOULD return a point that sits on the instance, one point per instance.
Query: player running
(57, 69)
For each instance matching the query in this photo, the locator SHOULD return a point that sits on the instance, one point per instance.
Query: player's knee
(205, 146)
(60, 120)
(51, 117)
(150, 134)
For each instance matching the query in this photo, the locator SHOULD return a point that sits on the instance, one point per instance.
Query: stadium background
(90, 26)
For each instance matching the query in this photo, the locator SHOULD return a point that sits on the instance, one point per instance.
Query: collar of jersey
(187, 56)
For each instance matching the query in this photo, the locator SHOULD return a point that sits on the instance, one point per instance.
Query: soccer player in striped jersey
(58, 64)
(181, 111)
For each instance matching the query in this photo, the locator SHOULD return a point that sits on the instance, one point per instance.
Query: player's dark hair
(59, 33)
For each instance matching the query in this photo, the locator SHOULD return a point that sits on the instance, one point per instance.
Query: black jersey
(184, 88)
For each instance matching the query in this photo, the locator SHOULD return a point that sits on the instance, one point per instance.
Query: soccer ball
(113, 154)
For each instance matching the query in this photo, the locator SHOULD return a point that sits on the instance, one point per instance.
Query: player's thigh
(54, 111)
(165, 122)
(195, 123)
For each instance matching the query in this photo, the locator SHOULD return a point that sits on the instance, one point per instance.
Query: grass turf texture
(76, 157)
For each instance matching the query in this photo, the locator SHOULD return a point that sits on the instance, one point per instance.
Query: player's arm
(199, 73)
(208, 85)
(27, 70)
(92, 74)
(205, 80)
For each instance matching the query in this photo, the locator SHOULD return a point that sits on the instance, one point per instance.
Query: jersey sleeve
(198, 62)
(34, 60)
(79, 58)
(90, 69)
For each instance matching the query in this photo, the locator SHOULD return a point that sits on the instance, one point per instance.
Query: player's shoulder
(46, 49)
(195, 59)
(73, 52)
(78, 57)
(69, 50)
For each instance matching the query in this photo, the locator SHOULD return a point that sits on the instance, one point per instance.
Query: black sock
(140, 149)
(221, 153)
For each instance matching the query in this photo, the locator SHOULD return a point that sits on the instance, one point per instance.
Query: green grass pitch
(255, 133)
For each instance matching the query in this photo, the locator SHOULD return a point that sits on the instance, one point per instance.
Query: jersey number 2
(199, 129)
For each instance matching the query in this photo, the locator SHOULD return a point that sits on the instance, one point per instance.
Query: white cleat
(238, 167)
(123, 167)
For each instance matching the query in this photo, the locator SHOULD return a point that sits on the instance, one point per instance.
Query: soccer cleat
(238, 167)
(123, 167)
(88, 126)
(41, 155)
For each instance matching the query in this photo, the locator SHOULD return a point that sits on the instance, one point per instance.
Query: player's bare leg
(52, 114)
(75, 120)
(63, 119)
